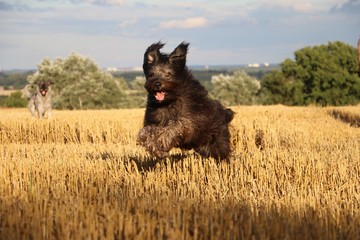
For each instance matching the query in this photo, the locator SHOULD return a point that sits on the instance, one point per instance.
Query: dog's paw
(145, 135)
(155, 140)
(164, 143)
(153, 149)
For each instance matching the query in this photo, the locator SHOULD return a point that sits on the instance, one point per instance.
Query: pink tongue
(160, 96)
(43, 92)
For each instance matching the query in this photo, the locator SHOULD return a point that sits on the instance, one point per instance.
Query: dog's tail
(229, 115)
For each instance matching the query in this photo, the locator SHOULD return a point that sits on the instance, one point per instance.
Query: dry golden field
(294, 174)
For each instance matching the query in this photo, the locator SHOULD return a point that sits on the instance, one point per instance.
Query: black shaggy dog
(179, 112)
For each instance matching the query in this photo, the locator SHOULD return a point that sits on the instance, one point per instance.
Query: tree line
(319, 75)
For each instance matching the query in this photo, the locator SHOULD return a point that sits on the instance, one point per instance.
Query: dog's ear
(178, 56)
(152, 53)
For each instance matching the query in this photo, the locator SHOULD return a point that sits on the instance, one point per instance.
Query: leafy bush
(15, 100)
(236, 89)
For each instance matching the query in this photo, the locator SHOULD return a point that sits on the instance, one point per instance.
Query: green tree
(277, 87)
(236, 89)
(322, 75)
(78, 83)
(137, 92)
(329, 74)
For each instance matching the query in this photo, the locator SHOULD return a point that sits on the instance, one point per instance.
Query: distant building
(123, 69)
(254, 65)
(137, 69)
(111, 69)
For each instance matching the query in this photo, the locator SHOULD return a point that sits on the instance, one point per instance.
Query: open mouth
(43, 92)
(160, 96)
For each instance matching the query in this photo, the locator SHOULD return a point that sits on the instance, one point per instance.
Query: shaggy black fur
(179, 112)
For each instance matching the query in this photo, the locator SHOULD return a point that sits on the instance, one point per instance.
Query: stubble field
(294, 174)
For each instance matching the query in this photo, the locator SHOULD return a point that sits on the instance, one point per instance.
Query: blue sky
(115, 33)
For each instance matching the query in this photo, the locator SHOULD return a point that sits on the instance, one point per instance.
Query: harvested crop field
(294, 174)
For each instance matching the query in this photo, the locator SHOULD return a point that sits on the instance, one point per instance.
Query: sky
(116, 33)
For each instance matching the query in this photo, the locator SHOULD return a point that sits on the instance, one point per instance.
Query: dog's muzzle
(158, 93)
(160, 96)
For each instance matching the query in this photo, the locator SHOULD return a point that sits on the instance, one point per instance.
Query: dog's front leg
(147, 138)
(146, 135)
(159, 140)
(41, 111)
(173, 135)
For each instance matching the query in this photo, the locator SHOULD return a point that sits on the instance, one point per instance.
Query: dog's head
(44, 87)
(165, 73)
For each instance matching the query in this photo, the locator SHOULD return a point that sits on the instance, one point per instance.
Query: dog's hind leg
(219, 147)
(221, 151)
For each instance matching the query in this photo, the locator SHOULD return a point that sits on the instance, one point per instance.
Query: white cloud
(301, 5)
(194, 22)
(127, 23)
(102, 2)
(116, 2)
(111, 2)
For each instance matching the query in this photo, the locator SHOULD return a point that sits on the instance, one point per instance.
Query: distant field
(294, 174)
(7, 92)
